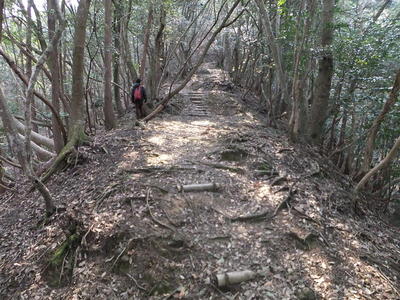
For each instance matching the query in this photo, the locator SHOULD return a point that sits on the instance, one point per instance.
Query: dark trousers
(139, 109)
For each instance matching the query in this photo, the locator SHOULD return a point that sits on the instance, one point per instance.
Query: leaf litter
(139, 237)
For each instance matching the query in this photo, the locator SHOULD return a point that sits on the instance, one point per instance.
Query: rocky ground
(126, 230)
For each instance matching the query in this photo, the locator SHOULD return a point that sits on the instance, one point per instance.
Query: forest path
(197, 109)
(142, 238)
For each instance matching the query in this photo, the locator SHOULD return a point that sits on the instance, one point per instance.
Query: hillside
(125, 230)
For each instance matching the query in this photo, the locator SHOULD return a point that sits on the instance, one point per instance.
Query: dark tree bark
(29, 59)
(373, 131)
(203, 54)
(55, 79)
(108, 107)
(155, 67)
(116, 55)
(25, 80)
(76, 132)
(1, 18)
(17, 144)
(320, 102)
(381, 165)
(146, 42)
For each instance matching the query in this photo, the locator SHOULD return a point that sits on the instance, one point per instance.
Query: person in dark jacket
(138, 96)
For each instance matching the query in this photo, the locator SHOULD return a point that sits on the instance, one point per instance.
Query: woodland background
(326, 68)
(325, 73)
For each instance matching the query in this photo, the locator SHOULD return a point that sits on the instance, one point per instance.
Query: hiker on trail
(138, 96)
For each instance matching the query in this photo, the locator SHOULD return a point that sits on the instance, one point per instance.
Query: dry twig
(152, 216)
(136, 283)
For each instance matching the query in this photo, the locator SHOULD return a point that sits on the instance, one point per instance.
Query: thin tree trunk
(24, 152)
(1, 18)
(320, 102)
(181, 86)
(55, 79)
(29, 59)
(117, 55)
(146, 41)
(16, 143)
(109, 117)
(275, 49)
(36, 137)
(382, 164)
(76, 133)
(127, 57)
(155, 68)
(41, 153)
(373, 131)
(380, 11)
(299, 116)
(25, 80)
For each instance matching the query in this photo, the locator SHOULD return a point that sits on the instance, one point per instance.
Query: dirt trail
(140, 238)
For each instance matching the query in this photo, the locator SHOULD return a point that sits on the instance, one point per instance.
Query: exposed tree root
(254, 217)
(285, 203)
(152, 216)
(61, 160)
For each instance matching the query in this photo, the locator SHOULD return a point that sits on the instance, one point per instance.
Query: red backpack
(137, 94)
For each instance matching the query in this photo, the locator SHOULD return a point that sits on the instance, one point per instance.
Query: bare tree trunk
(380, 11)
(275, 49)
(55, 79)
(320, 102)
(1, 18)
(146, 42)
(36, 137)
(373, 131)
(116, 55)
(23, 157)
(203, 54)
(335, 112)
(29, 59)
(237, 57)
(299, 116)
(382, 164)
(108, 107)
(227, 53)
(25, 80)
(348, 154)
(24, 151)
(155, 67)
(132, 73)
(76, 133)
(42, 154)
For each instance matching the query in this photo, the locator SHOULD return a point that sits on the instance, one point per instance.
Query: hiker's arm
(144, 94)
(132, 93)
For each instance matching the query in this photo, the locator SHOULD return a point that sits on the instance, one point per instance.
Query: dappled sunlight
(318, 269)
(262, 191)
(247, 218)
(163, 158)
(105, 221)
(178, 140)
(158, 139)
(203, 123)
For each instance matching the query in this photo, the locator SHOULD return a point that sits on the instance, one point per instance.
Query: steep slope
(126, 231)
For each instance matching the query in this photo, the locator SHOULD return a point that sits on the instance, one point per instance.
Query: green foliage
(367, 52)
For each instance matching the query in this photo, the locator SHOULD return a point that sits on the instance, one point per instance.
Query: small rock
(305, 294)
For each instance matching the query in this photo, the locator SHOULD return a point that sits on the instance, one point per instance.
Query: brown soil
(138, 237)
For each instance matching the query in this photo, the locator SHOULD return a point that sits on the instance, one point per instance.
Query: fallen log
(223, 167)
(211, 187)
(231, 278)
(254, 217)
